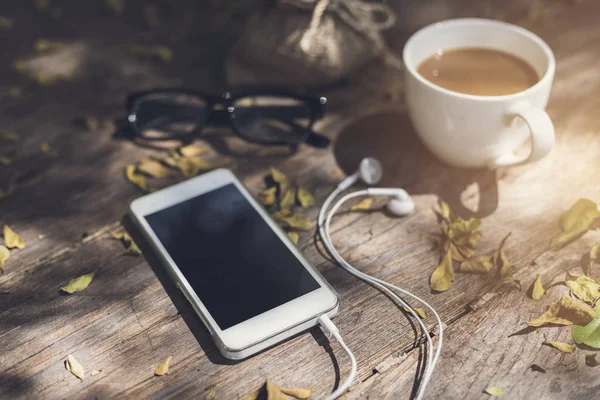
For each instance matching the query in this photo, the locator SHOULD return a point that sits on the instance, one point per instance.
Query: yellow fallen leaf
(130, 246)
(500, 259)
(192, 150)
(191, 166)
(163, 53)
(420, 312)
(593, 256)
(566, 311)
(584, 287)
(91, 122)
(293, 237)
(297, 392)
(279, 178)
(6, 23)
(12, 240)
(287, 199)
(464, 232)
(163, 367)
(73, 366)
(5, 160)
(295, 221)
(96, 372)
(459, 253)
(78, 284)
(268, 196)
(44, 45)
(6, 136)
(274, 392)
(153, 168)
(253, 395)
(136, 178)
(4, 254)
(305, 198)
(590, 360)
(364, 205)
(494, 390)
(445, 212)
(443, 276)
(576, 221)
(480, 264)
(211, 393)
(537, 290)
(562, 346)
(117, 6)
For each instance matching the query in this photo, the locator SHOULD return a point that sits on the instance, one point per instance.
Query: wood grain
(131, 316)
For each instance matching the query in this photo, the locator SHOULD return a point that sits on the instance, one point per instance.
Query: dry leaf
(163, 367)
(576, 221)
(91, 122)
(293, 237)
(153, 168)
(4, 254)
(590, 360)
(6, 23)
(192, 150)
(459, 253)
(461, 235)
(420, 312)
(253, 395)
(96, 372)
(364, 205)
(117, 6)
(268, 196)
(443, 276)
(296, 221)
(500, 259)
(279, 178)
(584, 287)
(191, 166)
(537, 290)
(297, 392)
(445, 212)
(163, 53)
(508, 279)
(6, 136)
(73, 366)
(589, 334)
(566, 311)
(480, 264)
(593, 256)
(287, 199)
(274, 392)
(211, 393)
(305, 198)
(12, 240)
(494, 390)
(562, 346)
(136, 178)
(78, 284)
(44, 45)
(130, 246)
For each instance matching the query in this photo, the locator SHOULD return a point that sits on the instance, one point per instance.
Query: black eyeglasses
(268, 118)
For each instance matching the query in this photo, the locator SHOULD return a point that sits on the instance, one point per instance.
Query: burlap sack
(279, 49)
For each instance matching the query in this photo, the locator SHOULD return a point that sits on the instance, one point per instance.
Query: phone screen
(234, 261)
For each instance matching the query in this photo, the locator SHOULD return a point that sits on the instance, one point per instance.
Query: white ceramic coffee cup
(480, 131)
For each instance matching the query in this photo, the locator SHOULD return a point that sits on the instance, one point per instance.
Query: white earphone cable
(324, 230)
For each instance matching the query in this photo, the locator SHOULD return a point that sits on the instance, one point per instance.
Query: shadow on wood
(390, 138)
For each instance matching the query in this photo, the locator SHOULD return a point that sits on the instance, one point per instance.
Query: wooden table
(130, 317)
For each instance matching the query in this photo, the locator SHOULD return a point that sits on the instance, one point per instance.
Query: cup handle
(541, 130)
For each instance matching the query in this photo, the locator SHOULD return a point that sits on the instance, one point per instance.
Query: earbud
(370, 171)
(400, 204)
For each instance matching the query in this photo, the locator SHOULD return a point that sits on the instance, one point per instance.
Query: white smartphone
(247, 281)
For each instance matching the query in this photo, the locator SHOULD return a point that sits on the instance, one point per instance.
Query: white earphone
(370, 171)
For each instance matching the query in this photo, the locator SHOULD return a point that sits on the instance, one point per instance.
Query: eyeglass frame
(315, 105)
